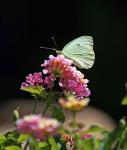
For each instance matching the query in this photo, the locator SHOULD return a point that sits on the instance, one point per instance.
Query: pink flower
(75, 87)
(71, 80)
(86, 136)
(28, 124)
(37, 126)
(33, 80)
(49, 81)
(57, 66)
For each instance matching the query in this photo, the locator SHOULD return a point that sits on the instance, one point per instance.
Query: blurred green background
(27, 25)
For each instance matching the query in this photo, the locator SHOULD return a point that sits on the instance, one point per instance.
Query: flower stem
(46, 108)
(35, 105)
(74, 117)
(33, 111)
(26, 145)
(73, 123)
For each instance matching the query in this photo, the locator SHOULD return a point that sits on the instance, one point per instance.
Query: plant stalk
(35, 105)
(26, 145)
(46, 108)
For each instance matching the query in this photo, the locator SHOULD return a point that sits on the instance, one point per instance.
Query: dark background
(27, 25)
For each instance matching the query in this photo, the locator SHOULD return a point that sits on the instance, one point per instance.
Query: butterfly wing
(80, 50)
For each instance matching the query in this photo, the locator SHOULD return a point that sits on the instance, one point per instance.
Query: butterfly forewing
(80, 50)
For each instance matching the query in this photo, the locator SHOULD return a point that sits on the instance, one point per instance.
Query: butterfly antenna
(54, 42)
(48, 48)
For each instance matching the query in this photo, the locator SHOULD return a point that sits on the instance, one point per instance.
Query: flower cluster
(76, 87)
(57, 71)
(59, 68)
(36, 79)
(37, 126)
(60, 80)
(33, 80)
(70, 79)
(73, 104)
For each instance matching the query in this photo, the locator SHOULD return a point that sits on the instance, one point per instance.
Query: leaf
(86, 144)
(34, 90)
(13, 134)
(94, 129)
(58, 114)
(124, 101)
(96, 143)
(114, 139)
(12, 137)
(42, 145)
(23, 137)
(53, 143)
(2, 139)
(12, 148)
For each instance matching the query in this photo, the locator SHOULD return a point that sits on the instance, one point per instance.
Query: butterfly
(80, 51)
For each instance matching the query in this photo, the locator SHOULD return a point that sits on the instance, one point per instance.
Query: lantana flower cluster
(70, 79)
(60, 70)
(33, 80)
(37, 126)
(73, 104)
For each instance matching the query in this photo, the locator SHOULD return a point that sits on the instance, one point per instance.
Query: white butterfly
(80, 50)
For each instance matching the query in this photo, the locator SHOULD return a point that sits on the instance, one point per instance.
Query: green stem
(74, 117)
(73, 123)
(46, 108)
(35, 105)
(33, 111)
(26, 145)
(53, 143)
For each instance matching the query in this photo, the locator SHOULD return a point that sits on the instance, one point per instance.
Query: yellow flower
(73, 104)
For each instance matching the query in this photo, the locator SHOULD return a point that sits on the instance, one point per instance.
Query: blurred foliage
(110, 140)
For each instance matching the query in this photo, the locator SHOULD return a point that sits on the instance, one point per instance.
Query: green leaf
(94, 129)
(86, 144)
(34, 90)
(23, 137)
(12, 148)
(96, 142)
(53, 143)
(42, 145)
(58, 114)
(114, 139)
(13, 134)
(124, 101)
(2, 139)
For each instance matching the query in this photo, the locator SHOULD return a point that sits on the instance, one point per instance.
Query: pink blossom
(33, 80)
(71, 80)
(86, 136)
(28, 123)
(49, 81)
(37, 126)
(75, 87)
(58, 66)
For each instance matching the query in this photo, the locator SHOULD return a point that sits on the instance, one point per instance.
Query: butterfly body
(80, 51)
